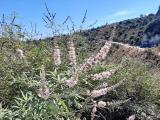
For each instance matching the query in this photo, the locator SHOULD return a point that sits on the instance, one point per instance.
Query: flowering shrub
(45, 87)
(56, 55)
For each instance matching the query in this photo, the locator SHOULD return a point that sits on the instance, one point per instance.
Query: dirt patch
(120, 51)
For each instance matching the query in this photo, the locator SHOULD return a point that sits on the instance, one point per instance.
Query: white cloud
(119, 16)
(120, 13)
(115, 17)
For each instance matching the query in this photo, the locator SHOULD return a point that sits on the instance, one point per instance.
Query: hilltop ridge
(131, 31)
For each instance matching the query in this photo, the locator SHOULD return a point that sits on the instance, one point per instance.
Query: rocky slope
(132, 31)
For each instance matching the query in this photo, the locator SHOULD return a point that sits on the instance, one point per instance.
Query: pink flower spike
(132, 117)
(19, 54)
(71, 83)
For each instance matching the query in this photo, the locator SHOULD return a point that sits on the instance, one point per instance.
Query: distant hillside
(132, 31)
(143, 31)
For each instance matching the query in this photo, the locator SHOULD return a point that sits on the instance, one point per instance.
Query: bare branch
(84, 18)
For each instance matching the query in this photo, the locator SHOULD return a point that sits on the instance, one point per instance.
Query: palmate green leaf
(62, 103)
(53, 73)
(78, 104)
(27, 96)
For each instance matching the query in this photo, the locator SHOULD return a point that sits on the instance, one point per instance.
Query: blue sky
(104, 11)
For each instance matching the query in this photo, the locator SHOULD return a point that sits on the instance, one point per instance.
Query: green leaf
(62, 103)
